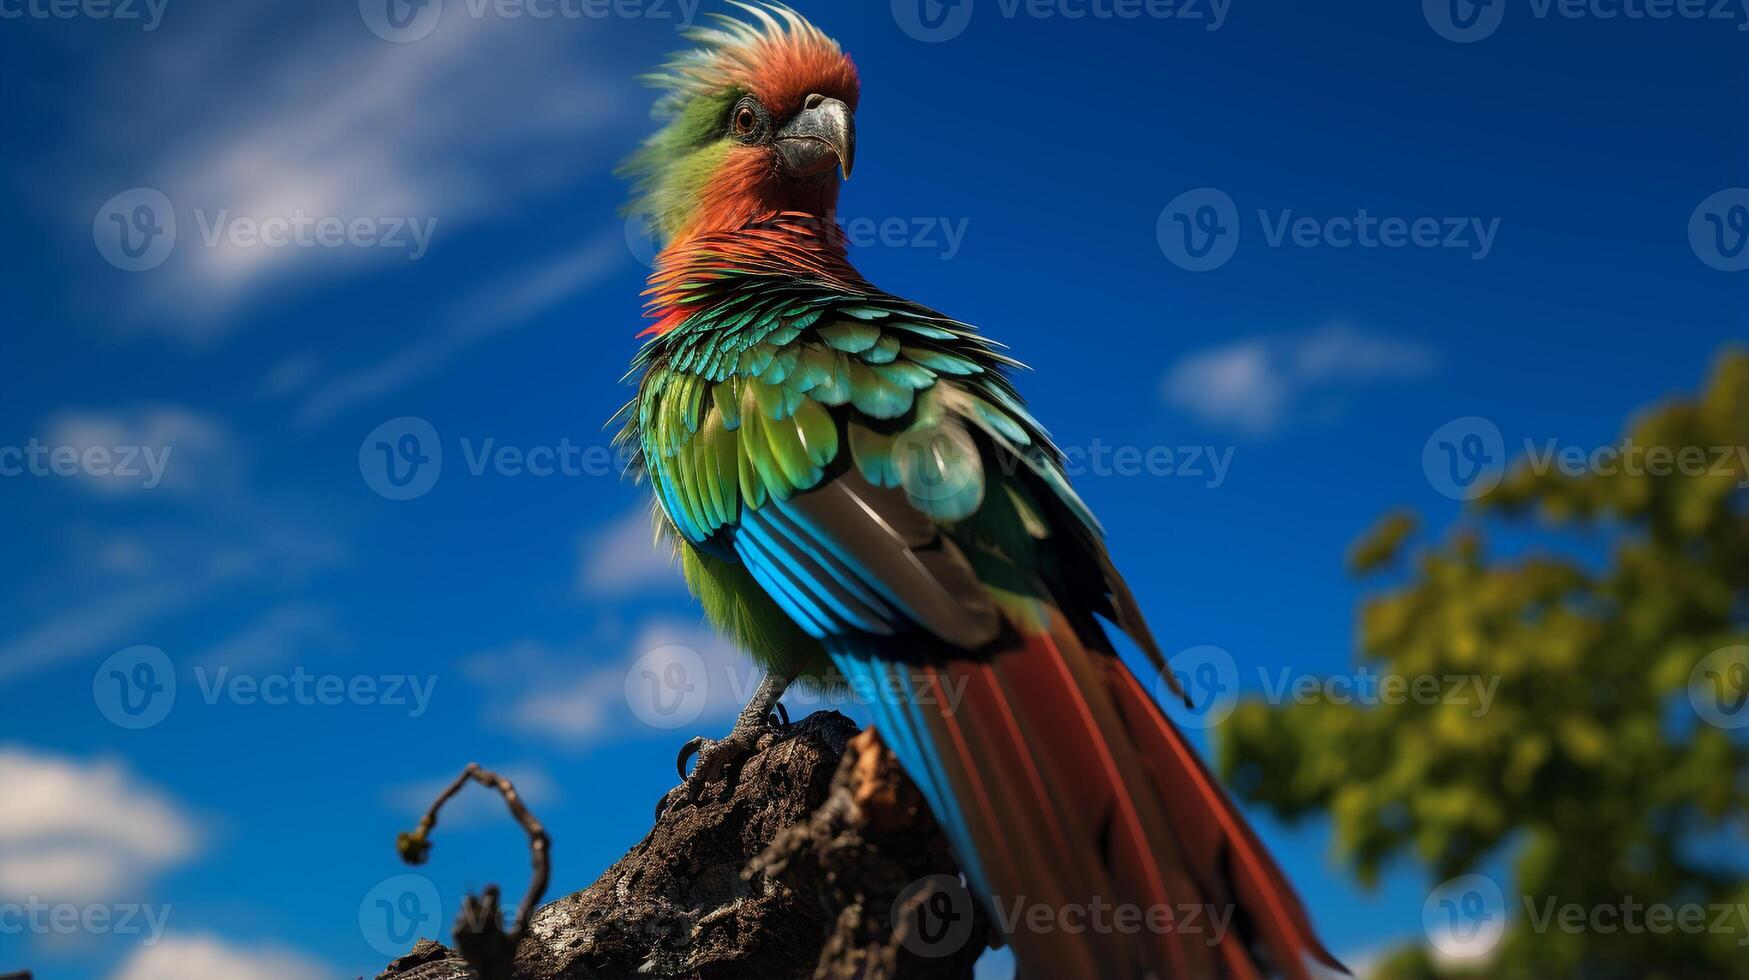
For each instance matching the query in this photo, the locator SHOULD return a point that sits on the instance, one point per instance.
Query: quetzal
(855, 489)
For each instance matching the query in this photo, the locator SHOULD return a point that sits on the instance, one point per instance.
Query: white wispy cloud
(176, 569)
(211, 958)
(1255, 384)
(78, 831)
(110, 618)
(111, 586)
(155, 447)
(286, 632)
(624, 558)
(571, 697)
(575, 710)
(500, 306)
(335, 123)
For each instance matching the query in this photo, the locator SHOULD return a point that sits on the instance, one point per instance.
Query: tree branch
(807, 860)
(479, 929)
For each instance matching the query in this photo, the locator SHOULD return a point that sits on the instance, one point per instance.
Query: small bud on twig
(479, 930)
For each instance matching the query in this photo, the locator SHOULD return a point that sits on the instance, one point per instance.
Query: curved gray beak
(820, 137)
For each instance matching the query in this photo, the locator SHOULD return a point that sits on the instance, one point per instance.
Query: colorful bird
(855, 490)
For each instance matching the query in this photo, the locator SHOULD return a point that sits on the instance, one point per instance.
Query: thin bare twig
(479, 930)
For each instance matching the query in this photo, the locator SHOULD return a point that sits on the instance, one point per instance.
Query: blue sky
(462, 278)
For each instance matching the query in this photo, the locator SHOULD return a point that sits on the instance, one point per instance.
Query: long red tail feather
(1078, 795)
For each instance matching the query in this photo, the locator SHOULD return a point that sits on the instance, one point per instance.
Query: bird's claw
(715, 756)
(693, 746)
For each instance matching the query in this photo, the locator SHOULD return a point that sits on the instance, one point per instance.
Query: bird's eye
(748, 121)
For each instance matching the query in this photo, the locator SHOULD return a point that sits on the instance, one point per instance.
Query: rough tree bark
(789, 867)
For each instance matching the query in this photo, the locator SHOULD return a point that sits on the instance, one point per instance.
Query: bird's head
(759, 119)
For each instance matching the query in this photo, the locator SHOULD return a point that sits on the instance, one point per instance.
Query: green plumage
(777, 385)
(783, 385)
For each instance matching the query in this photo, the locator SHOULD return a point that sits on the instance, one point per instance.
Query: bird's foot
(717, 756)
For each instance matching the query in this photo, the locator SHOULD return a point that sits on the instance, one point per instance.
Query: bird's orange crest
(781, 62)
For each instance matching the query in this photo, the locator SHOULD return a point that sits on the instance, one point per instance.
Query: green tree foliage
(1598, 771)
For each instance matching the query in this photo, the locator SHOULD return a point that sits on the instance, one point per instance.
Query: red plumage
(1080, 792)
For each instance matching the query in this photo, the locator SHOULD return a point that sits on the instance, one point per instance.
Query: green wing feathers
(764, 397)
